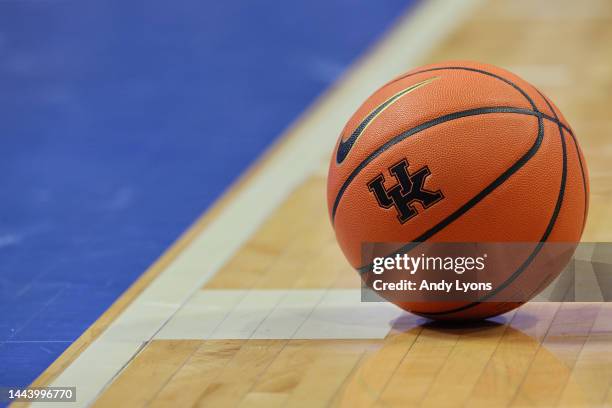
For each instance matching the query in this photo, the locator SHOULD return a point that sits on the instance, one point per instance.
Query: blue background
(122, 121)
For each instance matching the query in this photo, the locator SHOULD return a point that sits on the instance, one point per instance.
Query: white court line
(280, 314)
(289, 315)
(202, 315)
(309, 144)
(342, 315)
(244, 319)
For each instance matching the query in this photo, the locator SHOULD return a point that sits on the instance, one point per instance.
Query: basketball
(459, 152)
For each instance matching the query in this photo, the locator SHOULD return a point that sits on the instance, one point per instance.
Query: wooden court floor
(543, 354)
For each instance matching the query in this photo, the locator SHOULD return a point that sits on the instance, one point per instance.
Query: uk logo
(410, 188)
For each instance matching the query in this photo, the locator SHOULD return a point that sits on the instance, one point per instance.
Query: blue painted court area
(122, 121)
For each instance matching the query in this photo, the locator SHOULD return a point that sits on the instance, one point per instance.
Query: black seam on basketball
(584, 187)
(481, 71)
(507, 81)
(539, 246)
(429, 124)
(584, 183)
(557, 121)
(426, 125)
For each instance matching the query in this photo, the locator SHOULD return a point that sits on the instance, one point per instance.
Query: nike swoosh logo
(345, 146)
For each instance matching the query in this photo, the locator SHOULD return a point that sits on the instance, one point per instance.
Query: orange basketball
(458, 152)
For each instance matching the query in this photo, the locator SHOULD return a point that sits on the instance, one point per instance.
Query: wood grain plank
(148, 371)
